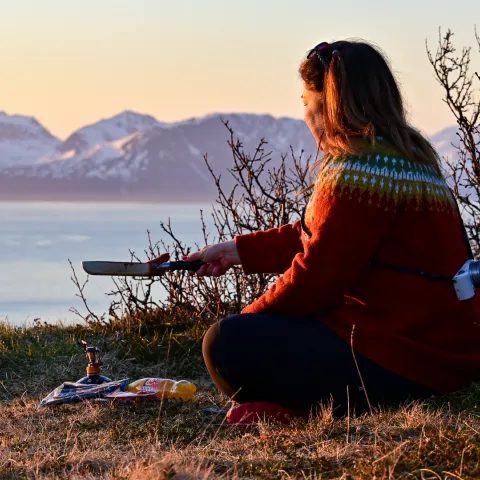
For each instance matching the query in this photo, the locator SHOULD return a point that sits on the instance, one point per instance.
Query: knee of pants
(215, 346)
(211, 342)
(214, 359)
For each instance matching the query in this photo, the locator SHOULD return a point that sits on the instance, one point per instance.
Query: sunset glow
(72, 63)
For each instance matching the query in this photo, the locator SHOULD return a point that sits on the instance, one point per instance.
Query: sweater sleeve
(348, 216)
(269, 251)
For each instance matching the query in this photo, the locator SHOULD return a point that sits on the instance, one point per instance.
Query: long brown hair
(362, 101)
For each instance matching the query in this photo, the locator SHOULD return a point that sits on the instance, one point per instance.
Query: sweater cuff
(246, 246)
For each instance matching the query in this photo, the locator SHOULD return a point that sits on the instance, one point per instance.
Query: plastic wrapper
(69, 392)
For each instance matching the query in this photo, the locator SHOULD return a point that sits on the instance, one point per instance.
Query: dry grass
(175, 440)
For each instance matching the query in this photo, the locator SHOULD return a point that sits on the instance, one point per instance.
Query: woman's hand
(219, 257)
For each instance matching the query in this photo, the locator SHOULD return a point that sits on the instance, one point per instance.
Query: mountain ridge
(133, 157)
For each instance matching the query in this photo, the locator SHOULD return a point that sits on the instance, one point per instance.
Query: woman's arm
(350, 213)
(269, 251)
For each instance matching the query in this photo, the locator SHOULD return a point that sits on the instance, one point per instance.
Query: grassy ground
(176, 440)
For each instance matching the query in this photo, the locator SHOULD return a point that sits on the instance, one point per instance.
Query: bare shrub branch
(263, 196)
(461, 94)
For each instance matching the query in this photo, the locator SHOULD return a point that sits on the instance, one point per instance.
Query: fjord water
(37, 240)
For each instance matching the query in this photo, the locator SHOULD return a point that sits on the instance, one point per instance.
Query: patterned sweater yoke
(386, 180)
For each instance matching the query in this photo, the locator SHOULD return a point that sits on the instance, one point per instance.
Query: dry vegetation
(173, 439)
(143, 337)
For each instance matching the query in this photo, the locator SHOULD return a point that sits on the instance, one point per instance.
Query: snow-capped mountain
(106, 131)
(133, 156)
(23, 140)
(447, 142)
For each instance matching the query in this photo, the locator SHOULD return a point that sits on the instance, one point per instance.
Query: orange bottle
(164, 388)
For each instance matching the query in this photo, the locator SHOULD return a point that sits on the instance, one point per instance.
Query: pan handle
(191, 266)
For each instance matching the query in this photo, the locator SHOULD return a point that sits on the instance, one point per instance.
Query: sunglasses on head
(318, 51)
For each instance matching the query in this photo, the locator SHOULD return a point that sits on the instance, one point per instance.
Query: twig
(81, 295)
(360, 373)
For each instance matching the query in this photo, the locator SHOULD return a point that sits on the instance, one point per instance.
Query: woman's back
(412, 323)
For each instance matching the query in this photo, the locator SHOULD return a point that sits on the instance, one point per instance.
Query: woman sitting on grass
(349, 321)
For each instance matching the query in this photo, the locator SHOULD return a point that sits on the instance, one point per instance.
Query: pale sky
(73, 62)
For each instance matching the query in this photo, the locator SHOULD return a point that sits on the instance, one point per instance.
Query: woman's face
(314, 114)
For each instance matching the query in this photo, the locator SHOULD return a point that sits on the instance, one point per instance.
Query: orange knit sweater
(376, 208)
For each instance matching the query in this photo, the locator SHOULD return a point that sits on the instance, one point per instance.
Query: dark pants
(298, 363)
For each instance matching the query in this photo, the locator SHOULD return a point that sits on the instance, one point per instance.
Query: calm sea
(37, 240)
